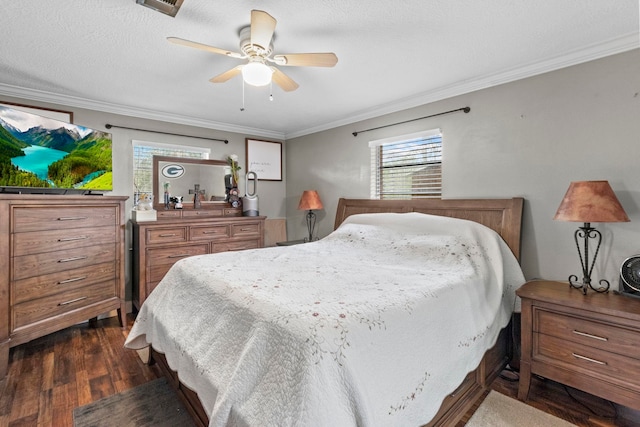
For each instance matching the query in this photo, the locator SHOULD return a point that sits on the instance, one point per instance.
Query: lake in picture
(38, 159)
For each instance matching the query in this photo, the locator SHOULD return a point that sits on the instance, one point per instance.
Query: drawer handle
(178, 256)
(246, 229)
(595, 337)
(588, 359)
(71, 218)
(168, 235)
(75, 279)
(70, 239)
(211, 232)
(71, 301)
(75, 258)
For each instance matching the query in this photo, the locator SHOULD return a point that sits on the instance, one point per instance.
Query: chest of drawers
(590, 342)
(61, 262)
(160, 244)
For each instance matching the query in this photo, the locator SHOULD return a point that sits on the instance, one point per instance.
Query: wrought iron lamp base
(585, 233)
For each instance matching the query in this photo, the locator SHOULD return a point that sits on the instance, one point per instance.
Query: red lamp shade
(310, 200)
(590, 201)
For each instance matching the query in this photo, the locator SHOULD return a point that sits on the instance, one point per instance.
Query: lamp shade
(256, 74)
(591, 201)
(310, 200)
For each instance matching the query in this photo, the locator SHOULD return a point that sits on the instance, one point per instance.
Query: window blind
(407, 168)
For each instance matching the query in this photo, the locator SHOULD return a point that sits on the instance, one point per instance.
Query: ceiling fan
(256, 45)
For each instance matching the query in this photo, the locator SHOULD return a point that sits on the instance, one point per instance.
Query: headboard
(502, 215)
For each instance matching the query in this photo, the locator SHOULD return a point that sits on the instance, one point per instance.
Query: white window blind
(407, 167)
(143, 152)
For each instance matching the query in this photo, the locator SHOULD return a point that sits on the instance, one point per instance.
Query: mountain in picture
(40, 152)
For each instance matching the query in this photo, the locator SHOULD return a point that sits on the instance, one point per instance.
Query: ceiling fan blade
(285, 82)
(307, 59)
(183, 42)
(227, 75)
(262, 27)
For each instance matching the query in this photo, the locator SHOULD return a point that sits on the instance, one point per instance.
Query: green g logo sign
(172, 171)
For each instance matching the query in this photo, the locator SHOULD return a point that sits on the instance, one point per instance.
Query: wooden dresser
(61, 262)
(157, 245)
(590, 342)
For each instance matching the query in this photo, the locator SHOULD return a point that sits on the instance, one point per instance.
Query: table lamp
(309, 201)
(587, 202)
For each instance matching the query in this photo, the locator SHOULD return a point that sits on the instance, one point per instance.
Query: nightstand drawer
(587, 332)
(587, 360)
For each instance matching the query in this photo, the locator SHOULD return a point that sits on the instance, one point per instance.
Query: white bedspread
(371, 326)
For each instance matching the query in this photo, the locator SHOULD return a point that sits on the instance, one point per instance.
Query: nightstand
(589, 342)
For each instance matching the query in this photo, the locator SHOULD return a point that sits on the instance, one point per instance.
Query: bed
(344, 331)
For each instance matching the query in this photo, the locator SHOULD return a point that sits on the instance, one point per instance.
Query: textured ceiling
(112, 55)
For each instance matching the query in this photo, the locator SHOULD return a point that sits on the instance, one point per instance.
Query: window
(407, 167)
(143, 153)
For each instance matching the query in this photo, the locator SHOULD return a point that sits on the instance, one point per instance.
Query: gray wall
(528, 138)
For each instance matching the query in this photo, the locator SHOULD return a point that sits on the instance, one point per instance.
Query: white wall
(529, 138)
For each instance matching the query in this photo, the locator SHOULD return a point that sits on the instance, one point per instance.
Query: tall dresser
(177, 234)
(61, 262)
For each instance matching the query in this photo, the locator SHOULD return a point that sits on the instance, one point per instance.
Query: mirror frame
(158, 198)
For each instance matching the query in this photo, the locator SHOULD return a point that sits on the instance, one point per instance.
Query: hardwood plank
(45, 408)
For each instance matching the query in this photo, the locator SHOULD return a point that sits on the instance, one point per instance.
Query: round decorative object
(630, 274)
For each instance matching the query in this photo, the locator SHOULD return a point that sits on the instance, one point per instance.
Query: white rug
(498, 410)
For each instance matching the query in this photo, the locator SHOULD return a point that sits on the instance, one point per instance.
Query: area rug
(151, 404)
(498, 410)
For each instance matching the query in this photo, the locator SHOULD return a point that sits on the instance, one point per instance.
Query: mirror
(183, 174)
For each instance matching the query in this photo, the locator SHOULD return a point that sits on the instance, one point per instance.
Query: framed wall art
(62, 116)
(265, 159)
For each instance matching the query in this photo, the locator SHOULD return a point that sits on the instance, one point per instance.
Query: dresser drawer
(235, 246)
(587, 332)
(33, 311)
(202, 213)
(250, 229)
(169, 214)
(51, 262)
(60, 217)
(49, 284)
(209, 232)
(34, 242)
(582, 359)
(166, 235)
(160, 260)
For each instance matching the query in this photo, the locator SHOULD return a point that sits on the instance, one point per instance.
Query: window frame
(426, 190)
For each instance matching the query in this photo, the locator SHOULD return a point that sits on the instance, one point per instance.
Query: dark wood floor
(52, 375)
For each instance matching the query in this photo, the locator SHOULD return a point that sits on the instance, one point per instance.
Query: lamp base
(573, 282)
(585, 233)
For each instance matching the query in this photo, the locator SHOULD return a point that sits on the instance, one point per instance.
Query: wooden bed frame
(502, 215)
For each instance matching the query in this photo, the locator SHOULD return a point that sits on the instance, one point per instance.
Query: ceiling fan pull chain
(271, 90)
(242, 108)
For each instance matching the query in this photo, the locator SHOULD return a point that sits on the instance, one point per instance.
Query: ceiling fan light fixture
(256, 74)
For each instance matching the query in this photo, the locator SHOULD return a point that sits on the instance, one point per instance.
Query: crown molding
(591, 53)
(125, 110)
